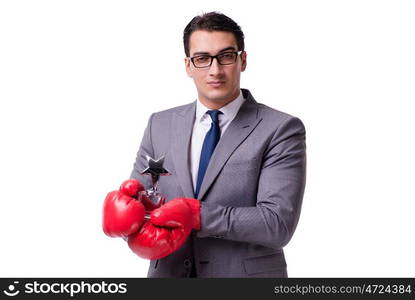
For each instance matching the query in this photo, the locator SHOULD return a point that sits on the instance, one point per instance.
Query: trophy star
(155, 167)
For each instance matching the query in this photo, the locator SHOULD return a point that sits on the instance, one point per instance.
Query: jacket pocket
(233, 166)
(264, 263)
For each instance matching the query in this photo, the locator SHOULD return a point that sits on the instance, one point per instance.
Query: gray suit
(251, 194)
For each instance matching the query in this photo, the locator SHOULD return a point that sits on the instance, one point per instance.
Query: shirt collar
(229, 111)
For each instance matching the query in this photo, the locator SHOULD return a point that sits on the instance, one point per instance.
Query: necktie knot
(214, 115)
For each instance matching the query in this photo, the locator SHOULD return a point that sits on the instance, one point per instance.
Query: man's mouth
(216, 83)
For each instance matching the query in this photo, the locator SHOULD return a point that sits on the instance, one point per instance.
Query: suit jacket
(251, 194)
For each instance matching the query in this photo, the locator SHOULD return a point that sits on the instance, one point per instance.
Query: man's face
(216, 85)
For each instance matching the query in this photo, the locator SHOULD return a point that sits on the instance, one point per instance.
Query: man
(237, 170)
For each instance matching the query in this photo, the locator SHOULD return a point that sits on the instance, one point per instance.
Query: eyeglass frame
(216, 56)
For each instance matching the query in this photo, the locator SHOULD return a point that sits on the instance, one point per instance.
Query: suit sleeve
(281, 185)
(146, 148)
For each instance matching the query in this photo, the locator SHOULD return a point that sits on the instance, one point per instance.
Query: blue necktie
(209, 144)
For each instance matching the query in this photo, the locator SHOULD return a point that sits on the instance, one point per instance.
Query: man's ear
(244, 61)
(187, 66)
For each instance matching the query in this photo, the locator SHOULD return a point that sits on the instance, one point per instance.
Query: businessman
(238, 170)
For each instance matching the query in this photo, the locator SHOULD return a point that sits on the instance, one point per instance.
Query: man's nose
(215, 67)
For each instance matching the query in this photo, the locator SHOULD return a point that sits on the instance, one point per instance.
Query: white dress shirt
(202, 125)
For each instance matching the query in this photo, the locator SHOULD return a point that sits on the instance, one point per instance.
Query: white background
(79, 79)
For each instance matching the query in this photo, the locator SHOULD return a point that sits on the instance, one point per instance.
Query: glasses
(225, 58)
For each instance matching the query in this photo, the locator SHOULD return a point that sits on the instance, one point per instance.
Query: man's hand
(167, 230)
(123, 214)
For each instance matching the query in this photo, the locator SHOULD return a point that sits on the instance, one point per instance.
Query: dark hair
(213, 21)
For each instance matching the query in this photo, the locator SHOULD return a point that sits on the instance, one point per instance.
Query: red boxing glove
(167, 230)
(132, 187)
(122, 213)
(195, 206)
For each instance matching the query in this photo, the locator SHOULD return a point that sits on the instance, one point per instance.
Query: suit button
(187, 263)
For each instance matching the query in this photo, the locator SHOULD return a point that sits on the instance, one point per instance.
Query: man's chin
(217, 96)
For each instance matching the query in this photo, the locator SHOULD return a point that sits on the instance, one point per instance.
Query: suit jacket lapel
(242, 125)
(182, 127)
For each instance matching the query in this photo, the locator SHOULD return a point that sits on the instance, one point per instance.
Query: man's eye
(227, 55)
(202, 58)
